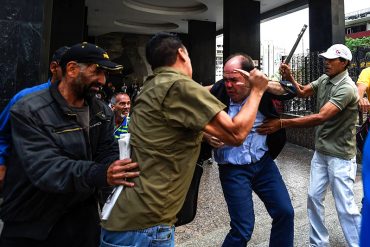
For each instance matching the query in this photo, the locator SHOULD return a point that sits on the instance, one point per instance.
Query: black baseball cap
(89, 53)
(59, 53)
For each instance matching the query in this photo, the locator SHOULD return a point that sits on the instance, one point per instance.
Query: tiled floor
(212, 221)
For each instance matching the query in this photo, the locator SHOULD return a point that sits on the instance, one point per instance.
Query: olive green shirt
(166, 130)
(337, 136)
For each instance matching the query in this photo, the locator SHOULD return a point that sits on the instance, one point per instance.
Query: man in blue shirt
(250, 166)
(5, 133)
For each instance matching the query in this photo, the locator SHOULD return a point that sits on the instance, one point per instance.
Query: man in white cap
(334, 160)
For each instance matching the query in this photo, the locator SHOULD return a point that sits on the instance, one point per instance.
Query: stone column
(21, 30)
(242, 28)
(326, 21)
(68, 23)
(202, 49)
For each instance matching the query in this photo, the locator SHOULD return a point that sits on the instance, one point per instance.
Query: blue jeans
(340, 175)
(156, 236)
(263, 177)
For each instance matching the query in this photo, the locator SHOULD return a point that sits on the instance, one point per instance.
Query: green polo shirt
(166, 130)
(337, 136)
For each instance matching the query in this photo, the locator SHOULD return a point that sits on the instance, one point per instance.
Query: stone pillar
(326, 21)
(242, 28)
(21, 30)
(68, 23)
(202, 50)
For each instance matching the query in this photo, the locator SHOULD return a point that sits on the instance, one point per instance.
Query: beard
(84, 89)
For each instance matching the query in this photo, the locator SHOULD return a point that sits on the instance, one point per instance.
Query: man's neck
(118, 118)
(67, 92)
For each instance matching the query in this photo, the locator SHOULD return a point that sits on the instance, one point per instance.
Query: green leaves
(353, 43)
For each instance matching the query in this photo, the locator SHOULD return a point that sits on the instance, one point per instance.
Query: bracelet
(281, 123)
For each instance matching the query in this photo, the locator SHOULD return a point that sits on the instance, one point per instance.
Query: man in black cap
(62, 152)
(5, 134)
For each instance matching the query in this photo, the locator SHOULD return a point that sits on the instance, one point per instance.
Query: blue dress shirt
(253, 147)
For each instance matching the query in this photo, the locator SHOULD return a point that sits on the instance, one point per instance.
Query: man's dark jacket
(275, 141)
(55, 166)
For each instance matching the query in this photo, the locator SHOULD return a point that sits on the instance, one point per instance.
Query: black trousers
(77, 228)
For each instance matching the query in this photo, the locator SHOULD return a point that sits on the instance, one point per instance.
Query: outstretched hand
(120, 170)
(269, 126)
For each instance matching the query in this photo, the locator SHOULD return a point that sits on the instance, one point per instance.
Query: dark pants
(77, 228)
(263, 177)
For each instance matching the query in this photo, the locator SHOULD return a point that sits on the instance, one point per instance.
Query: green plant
(353, 43)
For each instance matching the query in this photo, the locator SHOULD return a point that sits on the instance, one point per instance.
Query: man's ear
(182, 53)
(53, 67)
(72, 69)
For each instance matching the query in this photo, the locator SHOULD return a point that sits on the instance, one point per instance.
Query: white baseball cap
(336, 51)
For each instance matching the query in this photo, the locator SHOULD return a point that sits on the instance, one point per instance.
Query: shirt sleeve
(364, 77)
(315, 84)
(190, 105)
(5, 131)
(343, 96)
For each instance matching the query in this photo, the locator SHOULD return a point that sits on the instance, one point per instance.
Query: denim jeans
(156, 236)
(263, 177)
(340, 174)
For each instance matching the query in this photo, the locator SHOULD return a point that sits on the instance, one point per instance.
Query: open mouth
(95, 88)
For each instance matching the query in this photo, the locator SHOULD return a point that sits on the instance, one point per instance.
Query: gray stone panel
(20, 45)
(21, 10)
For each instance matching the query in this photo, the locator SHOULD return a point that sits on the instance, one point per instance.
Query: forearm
(234, 131)
(361, 89)
(303, 122)
(301, 90)
(274, 87)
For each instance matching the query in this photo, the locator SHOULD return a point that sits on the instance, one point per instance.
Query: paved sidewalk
(212, 221)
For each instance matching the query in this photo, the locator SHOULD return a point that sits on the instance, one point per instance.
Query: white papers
(124, 152)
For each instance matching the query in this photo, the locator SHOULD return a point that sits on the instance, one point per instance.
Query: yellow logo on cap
(105, 55)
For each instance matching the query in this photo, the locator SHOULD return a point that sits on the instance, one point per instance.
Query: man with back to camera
(62, 151)
(334, 160)
(250, 166)
(166, 130)
(5, 135)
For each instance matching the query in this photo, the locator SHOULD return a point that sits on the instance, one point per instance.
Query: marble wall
(21, 24)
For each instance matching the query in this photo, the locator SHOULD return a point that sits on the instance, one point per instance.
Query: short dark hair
(246, 61)
(345, 60)
(59, 53)
(113, 100)
(161, 49)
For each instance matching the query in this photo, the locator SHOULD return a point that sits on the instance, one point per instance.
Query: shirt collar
(167, 69)
(338, 78)
(232, 103)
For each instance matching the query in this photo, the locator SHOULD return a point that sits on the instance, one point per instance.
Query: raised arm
(302, 91)
(234, 131)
